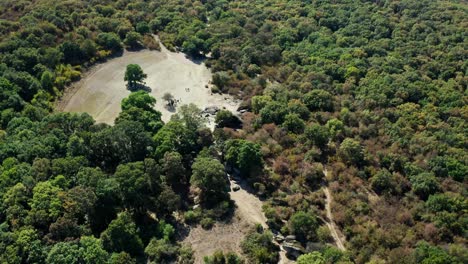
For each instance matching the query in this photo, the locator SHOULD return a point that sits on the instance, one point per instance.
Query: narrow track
(334, 231)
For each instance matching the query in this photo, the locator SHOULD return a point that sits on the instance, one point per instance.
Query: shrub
(207, 223)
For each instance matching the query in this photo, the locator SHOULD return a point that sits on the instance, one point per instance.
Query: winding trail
(334, 231)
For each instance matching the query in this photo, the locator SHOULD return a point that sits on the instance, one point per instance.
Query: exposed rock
(279, 238)
(235, 187)
(293, 250)
(290, 238)
(212, 110)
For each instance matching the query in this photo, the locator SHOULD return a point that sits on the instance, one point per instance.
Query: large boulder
(293, 250)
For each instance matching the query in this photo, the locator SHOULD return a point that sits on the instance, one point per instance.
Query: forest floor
(102, 88)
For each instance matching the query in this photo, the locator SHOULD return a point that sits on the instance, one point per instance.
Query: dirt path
(249, 206)
(102, 89)
(334, 231)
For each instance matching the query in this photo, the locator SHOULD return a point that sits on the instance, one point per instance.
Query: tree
(424, 184)
(208, 175)
(133, 40)
(47, 81)
(351, 151)
(87, 251)
(335, 127)
(110, 41)
(317, 135)
(142, 27)
(121, 258)
(293, 123)
(260, 101)
(111, 146)
(175, 136)
(139, 107)
(273, 112)
(220, 258)
(45, 204)
(161, 251)
(139, 99)
(191, 116)
(121, 235)
(259, 248)
(317, 100)
(134, 75)
(382, 181)
(224, 118)
(427, 254)
(303, 225)
(243, 154)
(168, 97)
(311, 258)
(173, 169)
(138, 184)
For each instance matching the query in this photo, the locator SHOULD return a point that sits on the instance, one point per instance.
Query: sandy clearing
(248, 205)
(101, 91)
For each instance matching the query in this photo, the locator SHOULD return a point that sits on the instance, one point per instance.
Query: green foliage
(133, 40)
(159, 250)
(259, 248)
(390, 75)
(88, 251)
(191, 116)
(220, 258)
(208, 175)
(139, 107)
(121, 235)
(134, 75)
(259, 102)
(311, 258)
(121, 258)
(424, 184)
(293, 123)
(318, 135)
(317, 100)
(224, 118)
(351, 152)
(382, 181)
(303, 225)
(427, 254)
(243, 154)
(110, 41)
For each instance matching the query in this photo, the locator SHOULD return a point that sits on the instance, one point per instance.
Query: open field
(102, 89)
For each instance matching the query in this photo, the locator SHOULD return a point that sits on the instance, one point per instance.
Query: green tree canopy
(134, 75)
(209, 176)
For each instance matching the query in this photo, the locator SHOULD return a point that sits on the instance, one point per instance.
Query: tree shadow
(170, 108)
(139, 87)
(197, 59)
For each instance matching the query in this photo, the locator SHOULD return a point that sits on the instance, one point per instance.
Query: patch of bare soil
(222, 236)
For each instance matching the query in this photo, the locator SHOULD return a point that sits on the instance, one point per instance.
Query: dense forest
(367, 98)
